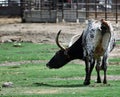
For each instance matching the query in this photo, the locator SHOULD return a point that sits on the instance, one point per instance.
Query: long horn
(57, 41)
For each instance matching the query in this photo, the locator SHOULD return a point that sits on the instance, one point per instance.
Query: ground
(46, 32)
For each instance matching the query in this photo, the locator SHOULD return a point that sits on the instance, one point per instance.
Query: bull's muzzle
(48, 65)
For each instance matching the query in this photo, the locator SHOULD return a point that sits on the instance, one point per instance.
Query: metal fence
(61, 10)
(10, 8)
(70, 10)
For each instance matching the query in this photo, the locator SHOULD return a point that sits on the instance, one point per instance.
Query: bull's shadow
(54, 85)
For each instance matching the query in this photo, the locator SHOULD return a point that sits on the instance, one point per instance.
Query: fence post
(22, 11)
(57, 20)
(77, 19)
(105, 9)
(87, 9)
(96, 9)
(63, 20)
(116, 11)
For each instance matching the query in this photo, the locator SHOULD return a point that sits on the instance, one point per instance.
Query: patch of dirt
(41, 32)
(109, 77)
(43, 91)
(23, 62)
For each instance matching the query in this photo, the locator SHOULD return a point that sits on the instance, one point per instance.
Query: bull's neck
(76, 50)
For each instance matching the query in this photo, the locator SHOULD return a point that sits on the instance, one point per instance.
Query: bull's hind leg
(104, 67)
(98, 71)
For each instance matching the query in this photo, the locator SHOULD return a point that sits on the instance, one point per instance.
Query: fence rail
(54, 11)
(62, 10)
(10, 8)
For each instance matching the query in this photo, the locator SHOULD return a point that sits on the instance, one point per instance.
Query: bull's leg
(104, 67)
(92, 66)
(98, 71)
(87, 69)
(105, 77)
(92, 63)
(88, 78)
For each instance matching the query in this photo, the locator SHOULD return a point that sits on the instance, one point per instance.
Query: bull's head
(61, 57)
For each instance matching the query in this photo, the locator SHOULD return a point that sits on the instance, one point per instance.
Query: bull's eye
(66, 54)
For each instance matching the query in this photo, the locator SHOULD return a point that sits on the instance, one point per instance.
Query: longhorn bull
(93, 46)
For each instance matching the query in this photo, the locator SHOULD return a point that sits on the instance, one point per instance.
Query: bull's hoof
(104, 82)
(86, 83)
(98, 81)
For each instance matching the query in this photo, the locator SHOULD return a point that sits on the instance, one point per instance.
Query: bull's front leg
(98, 70)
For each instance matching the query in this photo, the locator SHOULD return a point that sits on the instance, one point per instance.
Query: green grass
(118, 42)
(114, 60)
(28, 51)
(36, 80)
